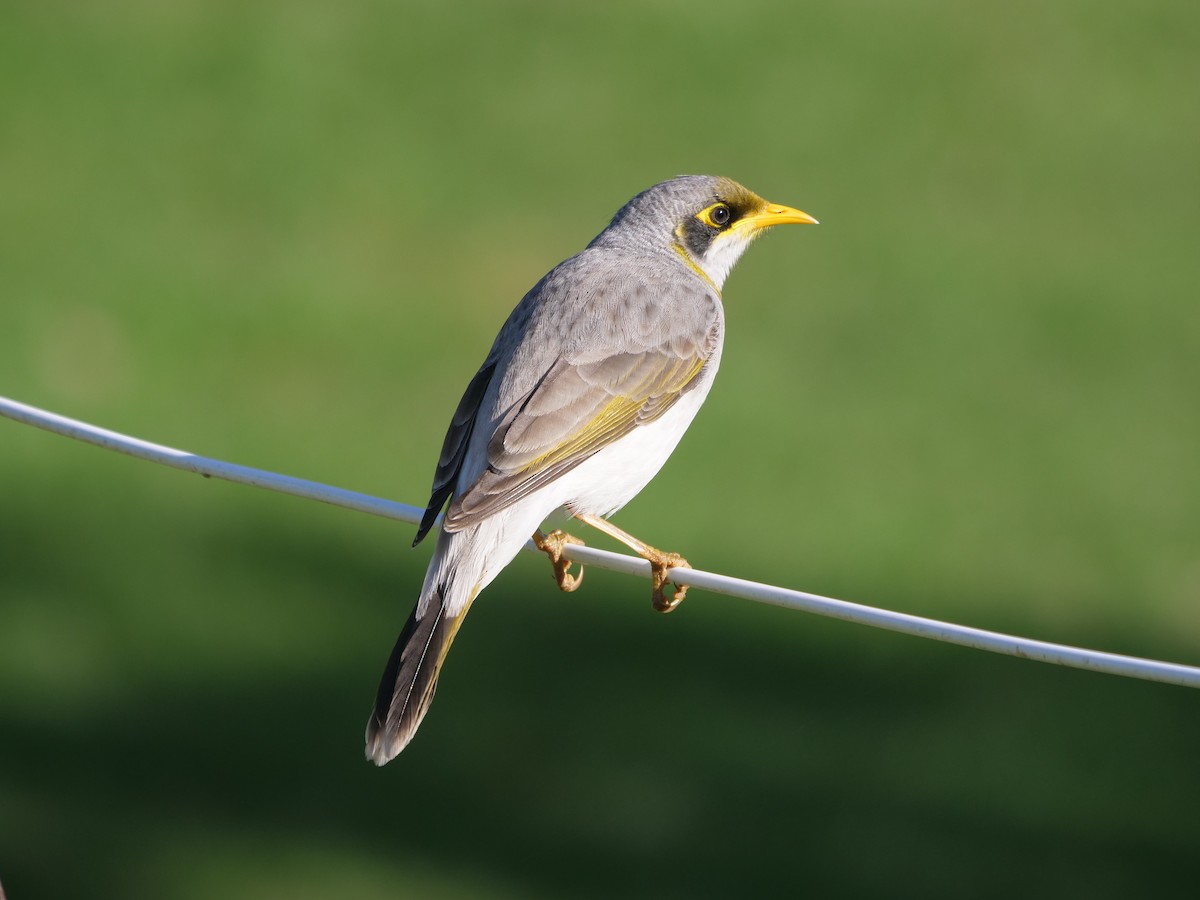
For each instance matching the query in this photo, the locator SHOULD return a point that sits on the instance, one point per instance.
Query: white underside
(467, 561)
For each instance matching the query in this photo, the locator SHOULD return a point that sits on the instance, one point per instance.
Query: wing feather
(574, 412)
(591, 353)
(454, 447)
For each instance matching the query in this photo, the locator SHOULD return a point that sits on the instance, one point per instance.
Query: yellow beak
(774, 214)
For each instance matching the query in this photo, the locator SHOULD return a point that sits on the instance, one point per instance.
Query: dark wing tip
(454, 447)
(431, 513)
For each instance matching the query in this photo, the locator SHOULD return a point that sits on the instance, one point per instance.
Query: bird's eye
(719, 215)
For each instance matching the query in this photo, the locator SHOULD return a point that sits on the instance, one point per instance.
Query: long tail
(410, 679)
(463, 564)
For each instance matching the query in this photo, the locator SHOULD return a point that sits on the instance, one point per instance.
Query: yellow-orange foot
(552, 545)
(659, 563)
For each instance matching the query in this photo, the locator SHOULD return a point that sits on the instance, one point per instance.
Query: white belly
(600, 486)
(607, 481)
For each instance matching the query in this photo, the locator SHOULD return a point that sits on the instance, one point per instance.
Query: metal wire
(1059, 654)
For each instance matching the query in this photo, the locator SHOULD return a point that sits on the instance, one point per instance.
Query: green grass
(284, 234)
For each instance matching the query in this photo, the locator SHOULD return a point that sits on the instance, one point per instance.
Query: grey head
(707, 220)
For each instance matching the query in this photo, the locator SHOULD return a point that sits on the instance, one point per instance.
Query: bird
(589, 385)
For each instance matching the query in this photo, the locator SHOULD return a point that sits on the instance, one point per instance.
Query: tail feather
(411, 676)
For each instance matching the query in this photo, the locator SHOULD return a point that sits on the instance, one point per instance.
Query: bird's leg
(659, 561)
(552, 545)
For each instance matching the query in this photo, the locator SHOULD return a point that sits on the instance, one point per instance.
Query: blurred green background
(284, 234)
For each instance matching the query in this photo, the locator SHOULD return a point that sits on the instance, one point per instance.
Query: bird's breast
(616, 474)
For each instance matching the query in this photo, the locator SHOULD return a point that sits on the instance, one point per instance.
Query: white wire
(1059, 654)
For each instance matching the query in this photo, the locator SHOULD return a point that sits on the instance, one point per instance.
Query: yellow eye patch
(719, 215)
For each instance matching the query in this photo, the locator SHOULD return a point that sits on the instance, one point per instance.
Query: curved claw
(658, 570)
(566, 581)
(552, 545)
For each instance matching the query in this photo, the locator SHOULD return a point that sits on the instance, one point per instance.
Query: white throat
(722, 254)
